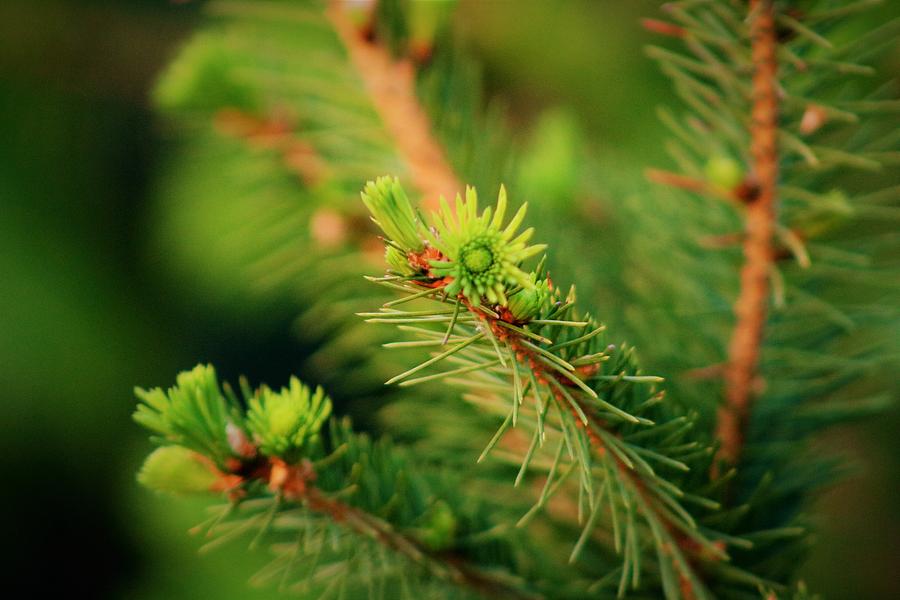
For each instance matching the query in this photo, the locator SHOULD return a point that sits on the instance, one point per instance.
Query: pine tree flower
(481, 257)
(284, 423)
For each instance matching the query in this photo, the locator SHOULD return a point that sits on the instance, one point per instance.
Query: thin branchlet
(391, 85)
(751, 307)
(555, 356)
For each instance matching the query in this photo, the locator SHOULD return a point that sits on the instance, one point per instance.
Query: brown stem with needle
(296, 483)
(392, 87)
(751, 306)
(593, 428)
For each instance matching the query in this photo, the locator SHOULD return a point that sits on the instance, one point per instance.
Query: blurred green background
(87, 309)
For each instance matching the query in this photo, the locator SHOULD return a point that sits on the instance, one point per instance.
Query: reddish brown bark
(527, 357)
(392, 87)
(751, 306)
(296, 483)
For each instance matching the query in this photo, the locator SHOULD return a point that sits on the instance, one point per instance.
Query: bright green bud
(478, 257)
(393, 213)
(482, 257)
(397, 260)
(194, 414)
(724, 172)
(176, 470)
(528, 303)
(438, 528)
(284, 423)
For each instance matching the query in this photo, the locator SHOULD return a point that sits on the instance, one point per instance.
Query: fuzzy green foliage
(479, 253)
(375, 486)
(392, 212)
(176, 470)
(205, 76)
(552, 163)
(643, 517)
(195, 414)
(285, 423)
(245, 229)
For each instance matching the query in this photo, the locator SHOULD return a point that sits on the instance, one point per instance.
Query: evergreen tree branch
(521, 336)
(799, 341)
(275, 131)
(271, 462)
(295, 484)
(682, 551)
(588, 398)
(391, 84)
(751, 305)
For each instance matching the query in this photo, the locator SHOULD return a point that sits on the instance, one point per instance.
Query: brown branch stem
(296, 483)
(527, 358)
(391, 85)
(443, 566)
(751, 305)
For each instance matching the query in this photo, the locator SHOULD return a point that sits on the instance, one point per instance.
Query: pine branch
(391, 84)
(751, 305)
(524, 338)
(804, 132)
(787, 112)
(631, 466)
(275, 131)
(271, 462)
(297, 487)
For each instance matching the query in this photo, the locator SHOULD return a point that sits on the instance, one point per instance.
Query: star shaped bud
(482, 257)
(284, 423)
(528, 302)
(393, 213)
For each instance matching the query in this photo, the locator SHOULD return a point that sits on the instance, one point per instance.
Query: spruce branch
(751, 305)
(791, 138)
(773, 125)
(275, 129)
(284, 469)
(577, 416)
(391, 85)
(524, 338)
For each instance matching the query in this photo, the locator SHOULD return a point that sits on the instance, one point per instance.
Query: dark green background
(87, 311)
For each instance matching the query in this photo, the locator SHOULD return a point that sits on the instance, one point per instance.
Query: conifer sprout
(481, 257)
(724, 172)
(194, 414)
(531, 300)
(592, 481)
(286, 422)
(392, 211)
(520, 333)
(477, 255)
(338, 509)
(177, 470)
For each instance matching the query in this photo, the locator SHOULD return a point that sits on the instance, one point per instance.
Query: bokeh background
(88, 308)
